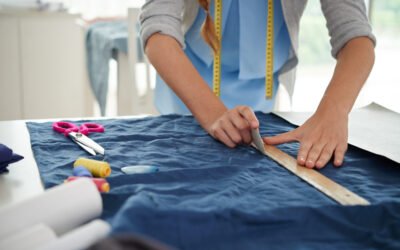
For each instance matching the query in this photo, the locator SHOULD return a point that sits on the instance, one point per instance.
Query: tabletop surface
(23, 180)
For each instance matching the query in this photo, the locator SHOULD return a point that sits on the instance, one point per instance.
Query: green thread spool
(100, 169)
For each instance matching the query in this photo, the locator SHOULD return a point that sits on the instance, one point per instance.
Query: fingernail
(310, 164)
(338, 163)
(302, 160)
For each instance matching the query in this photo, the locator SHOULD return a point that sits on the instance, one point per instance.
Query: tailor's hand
(234, 126)
(323, 135)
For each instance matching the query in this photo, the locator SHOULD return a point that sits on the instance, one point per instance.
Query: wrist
(211, 117)
(333, 107)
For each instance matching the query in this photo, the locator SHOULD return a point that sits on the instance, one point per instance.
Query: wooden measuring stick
(330, 188)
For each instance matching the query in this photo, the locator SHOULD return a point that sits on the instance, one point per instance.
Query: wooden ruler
(330, 188)
(269, 60)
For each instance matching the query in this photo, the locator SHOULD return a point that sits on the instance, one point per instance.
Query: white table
(23, 181)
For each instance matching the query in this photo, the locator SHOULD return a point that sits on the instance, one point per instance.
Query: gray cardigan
(346, 19)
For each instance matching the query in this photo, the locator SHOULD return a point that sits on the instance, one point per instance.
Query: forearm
(178, 72)
(354, 63)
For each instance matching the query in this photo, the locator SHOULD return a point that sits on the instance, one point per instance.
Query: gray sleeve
(346, 19)
(162, 16)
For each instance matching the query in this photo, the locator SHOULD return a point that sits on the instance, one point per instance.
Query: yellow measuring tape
(217, 54)
(269, 61)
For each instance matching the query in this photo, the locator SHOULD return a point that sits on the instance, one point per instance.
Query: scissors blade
(87, 143)
(257, 140)
(89, 150)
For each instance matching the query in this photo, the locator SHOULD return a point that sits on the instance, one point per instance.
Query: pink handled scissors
(86, 128)
(79, 135)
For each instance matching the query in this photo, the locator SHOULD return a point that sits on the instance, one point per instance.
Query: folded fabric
(103, 40)
(7, 157)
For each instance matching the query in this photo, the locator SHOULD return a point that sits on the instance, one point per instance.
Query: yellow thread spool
(100, 169)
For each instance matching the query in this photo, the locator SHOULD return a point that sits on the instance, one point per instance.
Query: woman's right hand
(234, 126)
(231, 127)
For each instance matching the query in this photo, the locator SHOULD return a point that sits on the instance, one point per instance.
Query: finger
(220, 135)
(242, 125)
(325, 156)
(231, 131)
(246, 136)
(314, 154)
(282, 138)
(340, 151)
(239, 121)
(305, 146)
(249, 115)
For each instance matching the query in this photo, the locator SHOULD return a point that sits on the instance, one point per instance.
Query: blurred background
(74, 58)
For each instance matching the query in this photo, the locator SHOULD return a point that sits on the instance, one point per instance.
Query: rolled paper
(81, 171)
(101, 184)
(80, 196)
(100, 169)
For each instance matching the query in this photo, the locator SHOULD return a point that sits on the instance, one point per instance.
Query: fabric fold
(7, 156)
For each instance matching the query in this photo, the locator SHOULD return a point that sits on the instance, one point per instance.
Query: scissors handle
(65, 127)
(87, 128)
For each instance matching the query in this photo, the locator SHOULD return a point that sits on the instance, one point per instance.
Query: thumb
(281, 138)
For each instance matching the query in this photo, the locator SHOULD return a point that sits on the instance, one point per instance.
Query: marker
(139, 169)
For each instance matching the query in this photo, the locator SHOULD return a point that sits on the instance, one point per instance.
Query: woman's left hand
(321, 137)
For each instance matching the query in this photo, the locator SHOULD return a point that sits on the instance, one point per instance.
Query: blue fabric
(208, 196)
(7, 156)
(243, 56)
(103, 40)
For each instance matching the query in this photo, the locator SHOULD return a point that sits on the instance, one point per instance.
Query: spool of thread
(101, 184)
(97, 168)
(81, 171)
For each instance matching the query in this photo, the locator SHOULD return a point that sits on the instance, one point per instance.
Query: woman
(171, 37)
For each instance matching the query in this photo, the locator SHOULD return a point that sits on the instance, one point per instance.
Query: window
(316, 64)
(315, 61)
(383, 85)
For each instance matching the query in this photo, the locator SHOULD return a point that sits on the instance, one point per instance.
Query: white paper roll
(30, 238)
(62, 208)
(80, 238)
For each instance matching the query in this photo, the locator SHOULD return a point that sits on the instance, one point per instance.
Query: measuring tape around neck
(269, 61)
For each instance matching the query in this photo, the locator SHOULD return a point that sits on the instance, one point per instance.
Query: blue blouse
(243, 56)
